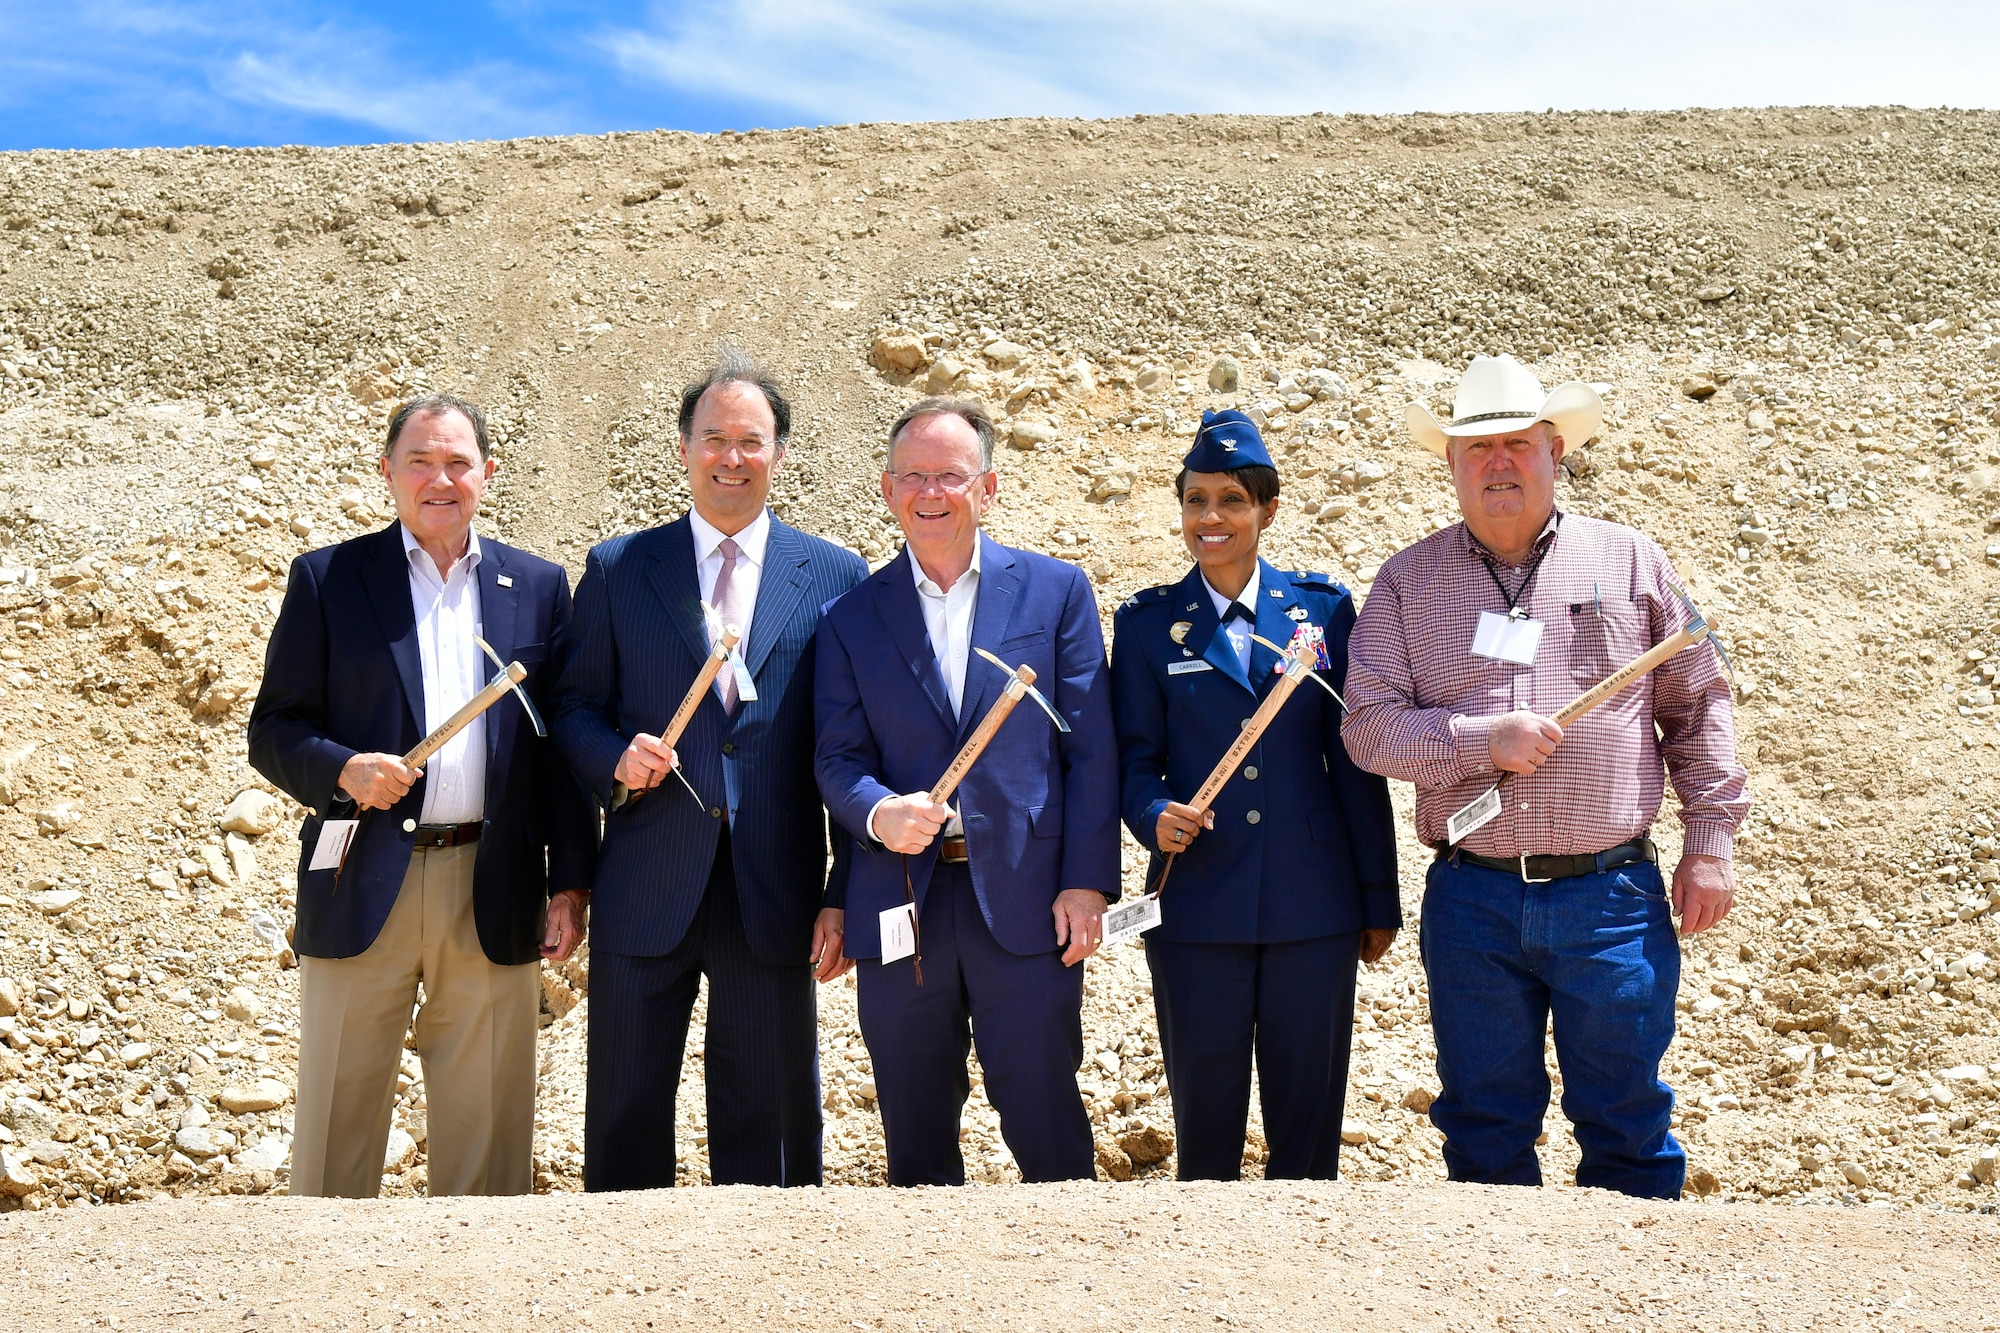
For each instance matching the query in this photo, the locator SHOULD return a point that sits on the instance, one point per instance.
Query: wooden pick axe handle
(725, 644)
(1624, 676)
(1233, 757)
(1017, 688)
(496, 690)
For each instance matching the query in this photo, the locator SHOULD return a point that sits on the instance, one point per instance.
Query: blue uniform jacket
(1304, 842)
(343, 674)
(1040, 807)
(639, 642)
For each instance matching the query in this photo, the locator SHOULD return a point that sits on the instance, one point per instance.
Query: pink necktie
(728, 606)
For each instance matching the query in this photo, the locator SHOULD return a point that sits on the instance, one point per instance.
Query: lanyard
(1512, 599)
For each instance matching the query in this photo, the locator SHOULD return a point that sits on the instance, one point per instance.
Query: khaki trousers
(475, 1035)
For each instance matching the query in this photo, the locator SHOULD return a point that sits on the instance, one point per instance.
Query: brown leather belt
(447, 835)
(951, 851)
(1540, 869)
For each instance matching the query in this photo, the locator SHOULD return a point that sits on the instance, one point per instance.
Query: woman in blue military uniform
(1291, 877)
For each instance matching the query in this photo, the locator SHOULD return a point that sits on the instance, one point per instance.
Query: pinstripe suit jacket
(637, 644)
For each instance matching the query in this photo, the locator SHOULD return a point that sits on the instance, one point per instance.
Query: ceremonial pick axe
(719, 654)
(1132, 919)
(507, 680)
(1020, 684)
(1481, 808)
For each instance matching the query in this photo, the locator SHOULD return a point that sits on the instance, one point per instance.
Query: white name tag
(1182, 668)
(1475, 814)
(1507, 638)
(1128, 921)
(899, 932)
(746, 688)
(334, 837)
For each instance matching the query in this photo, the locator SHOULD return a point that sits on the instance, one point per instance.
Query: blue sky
(90, 74)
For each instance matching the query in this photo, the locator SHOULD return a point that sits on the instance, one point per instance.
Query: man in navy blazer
(720, 870)
(1009, 888)
(448, 880)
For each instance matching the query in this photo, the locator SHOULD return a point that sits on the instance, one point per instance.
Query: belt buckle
(1526, 878)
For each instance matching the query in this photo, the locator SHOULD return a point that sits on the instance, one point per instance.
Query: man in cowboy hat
(1547, 901)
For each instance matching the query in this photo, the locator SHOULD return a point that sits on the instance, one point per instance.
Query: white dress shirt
(948, 622)
(751, 543)
(1239, 631)
(454, 670)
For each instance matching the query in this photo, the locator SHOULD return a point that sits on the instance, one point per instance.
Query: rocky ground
(1792, 312)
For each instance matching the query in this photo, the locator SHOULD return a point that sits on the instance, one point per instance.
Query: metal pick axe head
(519, 693)
(1699, 628)
(1033, 693)
(1312, 676)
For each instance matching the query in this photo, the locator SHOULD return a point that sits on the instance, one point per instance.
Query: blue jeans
(1597, 953)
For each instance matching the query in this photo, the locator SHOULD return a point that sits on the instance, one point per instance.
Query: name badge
(1474, 815)
(334, 837)
(1507, 638)
(1128, 921)
(899, 932)
(1183, 668)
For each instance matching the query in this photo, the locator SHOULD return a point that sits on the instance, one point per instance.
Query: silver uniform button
(409, 826)
(1253, 817)
(1250, 773)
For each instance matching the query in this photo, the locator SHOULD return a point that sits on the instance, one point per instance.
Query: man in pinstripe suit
(727, 880)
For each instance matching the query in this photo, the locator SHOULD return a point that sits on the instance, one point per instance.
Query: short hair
(733, 365)
(971, 413)
(1259, 479)
(434, 405)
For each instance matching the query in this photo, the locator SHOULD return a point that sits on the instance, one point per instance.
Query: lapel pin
(1178, 632)
(504, 580)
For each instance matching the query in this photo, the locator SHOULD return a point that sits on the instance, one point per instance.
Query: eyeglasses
(749, 444)
(952, 482)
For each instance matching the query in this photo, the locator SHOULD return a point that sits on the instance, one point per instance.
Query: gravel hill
(1793, 311)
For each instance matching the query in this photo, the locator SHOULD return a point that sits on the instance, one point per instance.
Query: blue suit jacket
(343, 675)
(1321, 857)
(639, 642)
(1040, 807)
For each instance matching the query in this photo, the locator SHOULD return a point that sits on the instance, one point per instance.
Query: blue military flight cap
(1226, 441)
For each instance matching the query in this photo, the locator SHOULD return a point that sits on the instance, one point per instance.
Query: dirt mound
(1793, 311)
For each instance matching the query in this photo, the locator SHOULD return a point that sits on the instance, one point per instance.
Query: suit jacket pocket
(1046, 821)
(529, 653)
(1023, 641)
(1326, 825)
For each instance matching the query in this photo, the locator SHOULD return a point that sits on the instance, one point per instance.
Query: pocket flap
(1046, 820)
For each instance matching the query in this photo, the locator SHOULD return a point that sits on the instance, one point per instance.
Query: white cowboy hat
(1498, 394)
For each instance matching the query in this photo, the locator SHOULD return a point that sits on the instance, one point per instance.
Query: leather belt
(447, 835)
(1541, 869)
(951, 851)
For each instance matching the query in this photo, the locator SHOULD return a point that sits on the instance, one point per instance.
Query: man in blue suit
(447, 881)
(721, 870)
(1010, 887)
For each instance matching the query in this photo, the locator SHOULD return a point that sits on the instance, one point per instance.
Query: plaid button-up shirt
(1422, 706)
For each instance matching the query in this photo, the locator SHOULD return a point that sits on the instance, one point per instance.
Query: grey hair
(733, 365)
(971, 413)
(437, 404)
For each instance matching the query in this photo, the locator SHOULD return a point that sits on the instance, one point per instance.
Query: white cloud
(422, 102)
(898, 60)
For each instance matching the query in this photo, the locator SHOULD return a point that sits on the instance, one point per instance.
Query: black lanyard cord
(1513, 599)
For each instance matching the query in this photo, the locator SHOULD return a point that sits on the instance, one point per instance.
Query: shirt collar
(415, 551)
(750, 543)
(929, 587)
(1248, 596)
(1476, 547)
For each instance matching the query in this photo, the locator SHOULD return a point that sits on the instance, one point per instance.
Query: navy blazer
(343, 675)
(1304, 843)
(1040, 807)
(639, 642)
